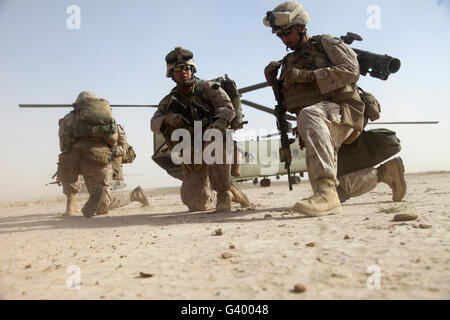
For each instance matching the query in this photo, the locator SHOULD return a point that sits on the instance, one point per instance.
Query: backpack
(369, 149)
(229, 86)
(93, 119)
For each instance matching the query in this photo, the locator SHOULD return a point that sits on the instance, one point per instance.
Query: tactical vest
(93, 119)
(302, 95)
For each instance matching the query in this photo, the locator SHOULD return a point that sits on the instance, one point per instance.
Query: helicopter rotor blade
(265, 109)
(253, 87)
(70, 106)
(406, 122)
(276, 134)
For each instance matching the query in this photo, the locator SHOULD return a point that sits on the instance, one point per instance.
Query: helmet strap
(302, 36)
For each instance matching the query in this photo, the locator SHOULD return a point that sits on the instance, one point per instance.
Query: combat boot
(71, 206)
(235, 170)
(343, 196)
(95, 203)
(324, 201)
(138, 195)
(238, 196)
(223, 202)
(393, 174)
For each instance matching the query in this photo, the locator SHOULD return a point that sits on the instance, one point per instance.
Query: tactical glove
(176, 120)
(220, 124)
(271, 71)
(295, 75)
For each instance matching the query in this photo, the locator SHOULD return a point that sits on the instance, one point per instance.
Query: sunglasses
(185, 67)
(285, 33)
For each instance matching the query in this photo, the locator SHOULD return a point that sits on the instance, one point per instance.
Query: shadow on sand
(48, 221)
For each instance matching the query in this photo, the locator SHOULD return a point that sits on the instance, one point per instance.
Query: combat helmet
(179, 57)
(286, 15)
(85, 95)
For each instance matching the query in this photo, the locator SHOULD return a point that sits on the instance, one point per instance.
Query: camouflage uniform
(98, 178)
(199, 179)
(320, 86)
(322, 125)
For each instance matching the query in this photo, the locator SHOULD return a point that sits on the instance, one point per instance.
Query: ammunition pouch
(129, 155)
(107, 132)
(95, 153)
(68, 163)
(372, 106)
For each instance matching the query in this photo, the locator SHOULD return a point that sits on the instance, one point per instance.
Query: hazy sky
(119, 51)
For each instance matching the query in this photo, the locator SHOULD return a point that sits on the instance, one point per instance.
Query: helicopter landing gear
(278, 177)
(296, 179)
(265, 183)
(255, 181)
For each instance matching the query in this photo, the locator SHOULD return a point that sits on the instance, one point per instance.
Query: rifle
(54, 182)
(377, 65)
(283, 127)
(177, 106)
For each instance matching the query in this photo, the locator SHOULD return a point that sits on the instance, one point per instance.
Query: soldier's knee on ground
(223, 201)
(98, 202)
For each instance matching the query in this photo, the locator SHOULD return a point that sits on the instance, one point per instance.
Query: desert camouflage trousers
(196, 189)
(322, 132)
(96, 177)
(199, 180)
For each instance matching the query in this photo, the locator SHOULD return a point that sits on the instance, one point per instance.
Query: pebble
(232, 246)
(405, 217)
(299, 288)
(226, 255)
(268, 216)
(311, 244)
(425, 226)
(218, 232)
(145, 275)
(347, 237)
(28, 266)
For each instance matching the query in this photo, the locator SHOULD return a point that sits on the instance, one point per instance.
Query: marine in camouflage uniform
(320, 86)
(198, 179)
(73, 162)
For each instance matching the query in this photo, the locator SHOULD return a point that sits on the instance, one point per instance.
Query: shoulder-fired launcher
(377, 65)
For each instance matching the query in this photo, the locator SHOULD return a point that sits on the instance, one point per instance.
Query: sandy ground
(361, 254)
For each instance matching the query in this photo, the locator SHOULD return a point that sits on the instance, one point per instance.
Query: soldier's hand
(176, 120)
(271, 71)
(220, 124)
(294, 75)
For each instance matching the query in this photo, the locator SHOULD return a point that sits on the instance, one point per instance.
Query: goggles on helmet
(278, 19)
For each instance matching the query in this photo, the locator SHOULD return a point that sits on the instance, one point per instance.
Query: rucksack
(93, 119)
(232, 91)
(369, 149)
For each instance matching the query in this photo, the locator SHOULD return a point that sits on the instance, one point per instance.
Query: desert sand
(261, 252)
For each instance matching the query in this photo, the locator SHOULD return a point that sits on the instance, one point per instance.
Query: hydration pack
(93, 119)
(229, 86)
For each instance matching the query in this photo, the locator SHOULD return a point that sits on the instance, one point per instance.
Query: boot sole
(401, 168)
(310, 213)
